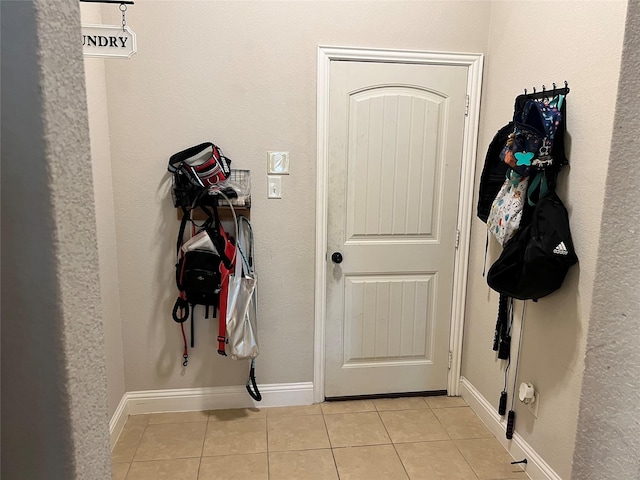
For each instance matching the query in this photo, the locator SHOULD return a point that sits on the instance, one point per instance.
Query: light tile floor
(417, 438)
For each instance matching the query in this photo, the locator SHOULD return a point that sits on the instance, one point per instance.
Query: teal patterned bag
(530, 147)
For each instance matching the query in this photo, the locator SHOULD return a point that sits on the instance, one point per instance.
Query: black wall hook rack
(544, 93)
(114, 2)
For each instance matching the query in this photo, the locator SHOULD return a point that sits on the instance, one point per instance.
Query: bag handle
(252, 385)
(178, 164)
(244, 246)
(177, 159)
(514, 177)
(239, 263)
(235, 221)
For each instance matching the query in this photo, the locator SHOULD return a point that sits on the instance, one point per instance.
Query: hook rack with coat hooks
(544, 93)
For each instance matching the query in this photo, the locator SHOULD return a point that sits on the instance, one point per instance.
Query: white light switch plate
(274, 187)
(278, 163)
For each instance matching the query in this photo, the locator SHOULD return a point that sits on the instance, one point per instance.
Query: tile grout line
(144, 430)
(441, 424)
(335, 464)
(331, 446)
(204, 439)
(492, 436)
(164, 459)
(266, 429)
(453, 440)
(465, 458)
(445, 430)
(128, 468)
(392, 443)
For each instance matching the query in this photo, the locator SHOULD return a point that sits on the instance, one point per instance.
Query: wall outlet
(533, 406)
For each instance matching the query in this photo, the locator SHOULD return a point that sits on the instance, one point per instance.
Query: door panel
(391, 131)
(395, 147)
(373, 333)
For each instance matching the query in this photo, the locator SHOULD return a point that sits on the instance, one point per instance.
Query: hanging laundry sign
(112, 41)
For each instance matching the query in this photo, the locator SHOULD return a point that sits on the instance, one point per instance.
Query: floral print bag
(506, 210)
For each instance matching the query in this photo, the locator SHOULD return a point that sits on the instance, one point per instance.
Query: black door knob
(336, 257)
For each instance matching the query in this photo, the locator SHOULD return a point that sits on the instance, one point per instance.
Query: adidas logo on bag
(561, 249)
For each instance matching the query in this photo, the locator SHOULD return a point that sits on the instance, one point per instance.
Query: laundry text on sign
(114, 41)
(101, 41)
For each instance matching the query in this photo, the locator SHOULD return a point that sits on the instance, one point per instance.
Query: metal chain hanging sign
(114, 41)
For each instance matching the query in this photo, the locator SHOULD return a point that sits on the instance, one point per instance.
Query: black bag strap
(180, 310)
(193, 338)
(501, 321)
(183, 226)
(252, 386)
(180, 314)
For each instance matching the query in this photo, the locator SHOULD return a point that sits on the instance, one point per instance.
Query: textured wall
(243, 75)
(584, 49)
(105, 212)
(54, 415)
(608, 438)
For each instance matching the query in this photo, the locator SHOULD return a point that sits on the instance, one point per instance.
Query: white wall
(607, 443)
(105, 222)
(531, 44)
(243, 75)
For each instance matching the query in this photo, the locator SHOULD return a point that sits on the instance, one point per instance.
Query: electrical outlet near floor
(533, 406)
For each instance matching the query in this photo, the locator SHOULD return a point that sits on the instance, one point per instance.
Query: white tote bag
(242, 298)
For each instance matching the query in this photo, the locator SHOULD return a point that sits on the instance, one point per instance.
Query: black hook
(547, 94)
(524, 460)
(186, 360)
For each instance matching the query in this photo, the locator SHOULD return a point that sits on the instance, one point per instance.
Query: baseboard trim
(207, 398)
(518, 448)
(116, 424)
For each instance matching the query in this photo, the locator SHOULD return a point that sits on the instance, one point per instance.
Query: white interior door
(395, 151)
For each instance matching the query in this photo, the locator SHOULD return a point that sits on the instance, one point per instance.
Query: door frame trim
(474, 64)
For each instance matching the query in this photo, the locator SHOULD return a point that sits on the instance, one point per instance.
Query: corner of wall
(607, 441)
(53, 379)
(97, 105)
